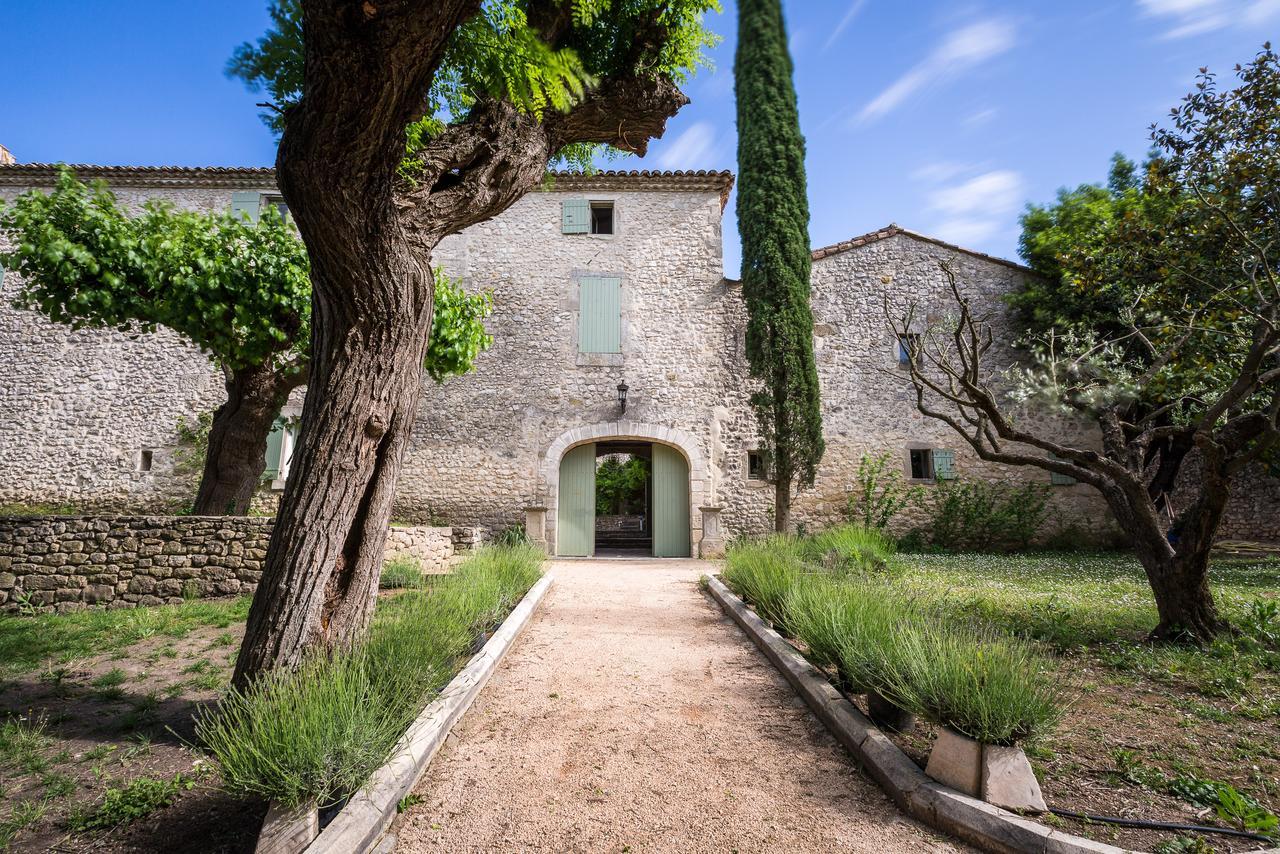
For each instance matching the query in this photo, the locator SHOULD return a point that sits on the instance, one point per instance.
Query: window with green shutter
(944, 464)
(246, 204)
(1060, 479)
(599, 314)
(575, 216)
(275, 445)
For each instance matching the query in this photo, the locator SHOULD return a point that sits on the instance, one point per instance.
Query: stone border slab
(938, 806)
(359, 827)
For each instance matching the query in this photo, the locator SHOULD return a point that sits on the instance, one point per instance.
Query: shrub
(512, 535)
(762, 572)
(401, 571)
(843, 624)
(318, 732)
(983, 685)
(978, 515)
(848, 549)
(882, 493)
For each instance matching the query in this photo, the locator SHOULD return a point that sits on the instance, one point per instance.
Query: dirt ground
(633, 716)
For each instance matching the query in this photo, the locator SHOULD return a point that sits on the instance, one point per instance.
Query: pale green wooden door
(670, 503)
(576, 517)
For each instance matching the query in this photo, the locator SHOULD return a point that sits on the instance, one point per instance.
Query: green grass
(402, 571)
(28, 642)
(1101, 603)
(881, 636)
(318, 732)
(23, 815)
(23, 742)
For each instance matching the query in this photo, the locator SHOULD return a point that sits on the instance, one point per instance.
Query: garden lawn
(96, 729)
(1150, 728)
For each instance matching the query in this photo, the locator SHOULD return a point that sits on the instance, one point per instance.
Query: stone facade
(68, 563)
(78, 408)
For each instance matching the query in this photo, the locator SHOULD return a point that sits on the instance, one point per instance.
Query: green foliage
(235, 288)
(401, 571)
(316, 733)
(849, 549)
(126, 804)
(773, 219)
(498, 54)
(193, 443)
(238, 289)
(1152, 285)
(882, 493)
(987, 686)
(458, 335)
(620, 485)
(763, 572)
(512, 535)
(986, 516)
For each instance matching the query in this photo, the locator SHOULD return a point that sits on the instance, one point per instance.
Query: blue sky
(945, 117)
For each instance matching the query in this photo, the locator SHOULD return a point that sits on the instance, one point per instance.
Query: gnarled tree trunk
(318, 586)
(236, 457)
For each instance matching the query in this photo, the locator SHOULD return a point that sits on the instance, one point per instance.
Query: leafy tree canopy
(501, 53)
(238, 289)
(1160, 274)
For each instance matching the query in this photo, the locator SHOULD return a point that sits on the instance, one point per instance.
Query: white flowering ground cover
(1154, 731)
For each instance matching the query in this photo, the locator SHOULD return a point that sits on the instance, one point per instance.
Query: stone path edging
(939, 806)
(359, 827)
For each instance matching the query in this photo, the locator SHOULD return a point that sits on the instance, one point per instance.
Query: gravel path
(633, 716)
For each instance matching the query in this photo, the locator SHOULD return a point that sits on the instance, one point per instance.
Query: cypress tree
(773, 219)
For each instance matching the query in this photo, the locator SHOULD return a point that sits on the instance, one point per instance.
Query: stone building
(615, 333)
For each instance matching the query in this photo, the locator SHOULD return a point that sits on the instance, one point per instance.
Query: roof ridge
(893, 229)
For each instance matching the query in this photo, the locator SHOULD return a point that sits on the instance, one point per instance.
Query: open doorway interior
(624, 499)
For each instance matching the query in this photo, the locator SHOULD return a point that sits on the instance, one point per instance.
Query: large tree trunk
(320, 580)
(236, 458)
(1178, 575)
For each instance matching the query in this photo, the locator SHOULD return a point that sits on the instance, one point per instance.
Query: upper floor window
(580, 216)
(249, 204)
(602, 217)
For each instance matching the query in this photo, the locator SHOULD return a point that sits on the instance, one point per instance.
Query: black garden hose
(1160, 825)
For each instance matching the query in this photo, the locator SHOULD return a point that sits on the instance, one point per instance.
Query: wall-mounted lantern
(623, 388)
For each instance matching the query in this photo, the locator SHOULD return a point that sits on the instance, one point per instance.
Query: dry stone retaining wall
(68, 563)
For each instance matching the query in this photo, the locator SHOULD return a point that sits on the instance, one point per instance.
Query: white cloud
(1193, 17)
(978, 207)
(855, 8)
(980, 117)
(691, 149)
(939, 171)
(960, 51)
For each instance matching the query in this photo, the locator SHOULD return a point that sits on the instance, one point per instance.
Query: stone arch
(683, 441)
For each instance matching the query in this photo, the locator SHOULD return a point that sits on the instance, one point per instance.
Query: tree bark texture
(370, 235)
(236, 457)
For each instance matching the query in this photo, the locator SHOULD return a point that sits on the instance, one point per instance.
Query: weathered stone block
(956, 761)
(1008, 781)
(97, 594)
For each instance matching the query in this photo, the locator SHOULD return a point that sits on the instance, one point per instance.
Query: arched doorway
(623, 498)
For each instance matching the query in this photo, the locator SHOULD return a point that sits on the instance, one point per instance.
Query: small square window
(907, 344)
(277, 202)
(602, 217)
(145, 458)
(757, 465)
(921, 463)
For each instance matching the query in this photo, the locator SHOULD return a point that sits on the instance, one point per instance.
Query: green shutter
(246, 204)
(575, 216)
(671, 536)
(944, 465)
(576, 515)
(1060, 479)
(599, 315)
(275, 441)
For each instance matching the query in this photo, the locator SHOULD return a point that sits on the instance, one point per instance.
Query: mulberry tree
(235, 288)
(773, 218)
(402, 122)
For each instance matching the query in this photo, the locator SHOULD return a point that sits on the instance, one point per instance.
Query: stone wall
(68, 563)
(77, 408)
